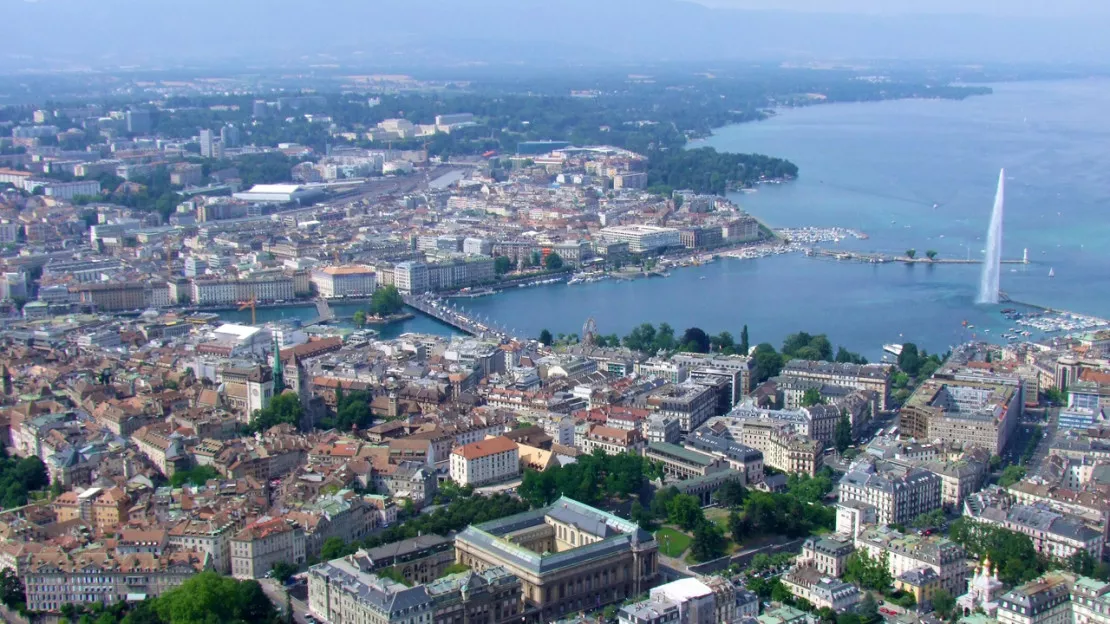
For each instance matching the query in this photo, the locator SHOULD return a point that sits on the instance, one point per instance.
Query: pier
(446, 312)
(879, 258)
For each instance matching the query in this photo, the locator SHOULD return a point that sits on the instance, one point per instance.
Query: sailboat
(1051, 272)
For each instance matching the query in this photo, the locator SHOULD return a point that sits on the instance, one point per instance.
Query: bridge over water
(446, 312)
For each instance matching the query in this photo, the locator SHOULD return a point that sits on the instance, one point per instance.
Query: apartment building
(906, 553)
(1055, 535)
(261, 544)
(1045, 600)
(781, 446)
(612, 440)
(54, 578)
(899, 493)
(229, 291)
(873, 377)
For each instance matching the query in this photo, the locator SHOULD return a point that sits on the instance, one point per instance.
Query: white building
(489, 461)
(344, 281)
(641, 238)
(278, 193)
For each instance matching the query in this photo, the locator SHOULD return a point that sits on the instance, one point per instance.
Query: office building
(967, 414)
(140, 121)
(569, 557)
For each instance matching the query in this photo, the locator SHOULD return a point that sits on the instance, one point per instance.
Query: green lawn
(719, 517)
(672, 543)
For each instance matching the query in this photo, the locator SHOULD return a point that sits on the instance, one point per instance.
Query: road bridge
(446, 312)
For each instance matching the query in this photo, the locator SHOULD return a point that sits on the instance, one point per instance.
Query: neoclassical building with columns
(568, 556)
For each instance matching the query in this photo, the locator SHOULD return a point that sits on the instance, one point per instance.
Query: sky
(1024, 8)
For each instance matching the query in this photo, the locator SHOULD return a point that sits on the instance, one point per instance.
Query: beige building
(489, 461)
(569, 557)
(260, 545)
(782, 447)
(809, 583)
(906, 553)
(345, 591)
(964, 413)
(54, 578)
(344, 281)
(828, 555)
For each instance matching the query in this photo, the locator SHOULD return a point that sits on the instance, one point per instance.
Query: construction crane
(250, 303)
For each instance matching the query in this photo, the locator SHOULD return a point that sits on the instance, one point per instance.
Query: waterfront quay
(881, 258)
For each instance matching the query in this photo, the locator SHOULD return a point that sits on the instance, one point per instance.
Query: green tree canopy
(283, 409)
(387, 300)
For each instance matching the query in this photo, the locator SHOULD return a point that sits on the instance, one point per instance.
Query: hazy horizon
(66, 34)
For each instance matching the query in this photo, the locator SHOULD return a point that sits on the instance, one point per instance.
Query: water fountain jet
(992, 261)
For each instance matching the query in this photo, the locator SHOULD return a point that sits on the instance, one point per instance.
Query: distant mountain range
(412, 33)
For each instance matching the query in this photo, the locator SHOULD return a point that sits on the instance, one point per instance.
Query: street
(275, 591)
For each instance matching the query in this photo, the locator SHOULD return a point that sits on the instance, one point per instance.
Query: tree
(1055, 396)
(553, 262)
(812, 397)
(695, 340)
(387, 300)
(738, 527)
(685, 511)
(333, 548)
(843, 436)
(868, 609)
(1011, 475)
(360, 319)
(848, 618)
(285, 408)
(767, 363)
(664, 338)
(909, 360)
(943, 603)
(1081, 563)
(198, 475)
(931, 254)
(723, 343)
(283, 571)
(910, 253)
(731, 494)
(867, 572)
(502, 265)
(546, 339)
(208, 597)
(12, 592)
(708, 542)
(743, 347)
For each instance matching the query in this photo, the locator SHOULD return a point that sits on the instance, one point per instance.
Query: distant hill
(409, 33)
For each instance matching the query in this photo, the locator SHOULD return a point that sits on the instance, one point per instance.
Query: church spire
(278, 372)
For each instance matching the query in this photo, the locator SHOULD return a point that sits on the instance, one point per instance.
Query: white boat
(893, 348)
(1052, 272)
